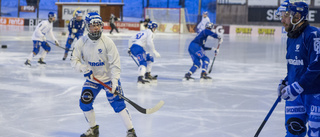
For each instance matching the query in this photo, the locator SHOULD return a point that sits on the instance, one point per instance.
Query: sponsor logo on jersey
(314, 133)
(96, 63)
(91, 85)
(295, 110)
(315, 109)
(316, 45)
(295, 62)
(317, 96)
(297, 48)
(100, 51)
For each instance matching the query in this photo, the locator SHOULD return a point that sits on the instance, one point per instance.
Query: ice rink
(44, 101)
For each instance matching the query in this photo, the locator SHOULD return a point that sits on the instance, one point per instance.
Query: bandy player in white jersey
(202, 25)
(141, 45)
(96, 55)
(43, 29)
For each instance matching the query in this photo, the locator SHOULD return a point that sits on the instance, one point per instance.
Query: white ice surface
(44, 101)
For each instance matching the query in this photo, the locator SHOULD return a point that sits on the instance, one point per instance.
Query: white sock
(126, 118)
(149, 66)
(142, 70)
(31, 55)
(43, 54)
(90, 117)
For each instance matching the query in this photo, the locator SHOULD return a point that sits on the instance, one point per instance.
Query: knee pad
(36, 47)
(142, 60)
(36, 50)
(150, 58)
(69, 42)
(296, 126)
(46, 46)
(86, 100)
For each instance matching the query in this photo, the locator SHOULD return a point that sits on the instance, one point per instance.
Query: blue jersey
(75, 24)
(202, 37)
(303, 56)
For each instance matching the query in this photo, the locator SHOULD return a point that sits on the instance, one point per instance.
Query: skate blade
(139, 85)
(186, 80)
(27, 66)
(145, 83)
(153, 81)
(41, 65)
(205, 80)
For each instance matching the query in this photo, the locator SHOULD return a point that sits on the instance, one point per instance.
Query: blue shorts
(305, 109)
(43, 44)
(90, 91)
(141, 55)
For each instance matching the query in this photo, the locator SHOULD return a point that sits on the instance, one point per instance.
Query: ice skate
(27, 63)
(131, 133)
(142, 81)
(149, 77)
(65, 56)
(187, 77)
(92, 132)
(205, 76)
(40, 61)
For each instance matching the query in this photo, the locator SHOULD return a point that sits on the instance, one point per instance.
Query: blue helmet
(78, 14)
(209, 25)
(152, 25)
(51, 14)
(93, 18)
(299, 7)
(283, 7)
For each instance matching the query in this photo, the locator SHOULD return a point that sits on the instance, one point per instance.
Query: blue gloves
(291, 92)
(88, 74)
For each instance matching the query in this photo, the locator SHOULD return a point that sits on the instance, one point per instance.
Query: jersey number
(316, 45)
(139, 35)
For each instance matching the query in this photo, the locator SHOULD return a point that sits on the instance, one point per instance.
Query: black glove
(129, 52)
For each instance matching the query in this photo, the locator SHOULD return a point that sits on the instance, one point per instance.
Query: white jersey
(101, 56)
(144, 39)
(43, 29)
(202, 25)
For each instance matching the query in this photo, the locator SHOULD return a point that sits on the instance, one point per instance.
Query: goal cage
(172, 20)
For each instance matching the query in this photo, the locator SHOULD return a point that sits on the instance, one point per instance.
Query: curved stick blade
(155, 108)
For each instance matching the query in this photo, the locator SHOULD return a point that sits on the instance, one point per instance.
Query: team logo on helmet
(78, 14)
(152, 25)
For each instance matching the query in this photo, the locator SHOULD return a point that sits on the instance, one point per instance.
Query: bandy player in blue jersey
(301, 86)
(76, 28)
(197, 52)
